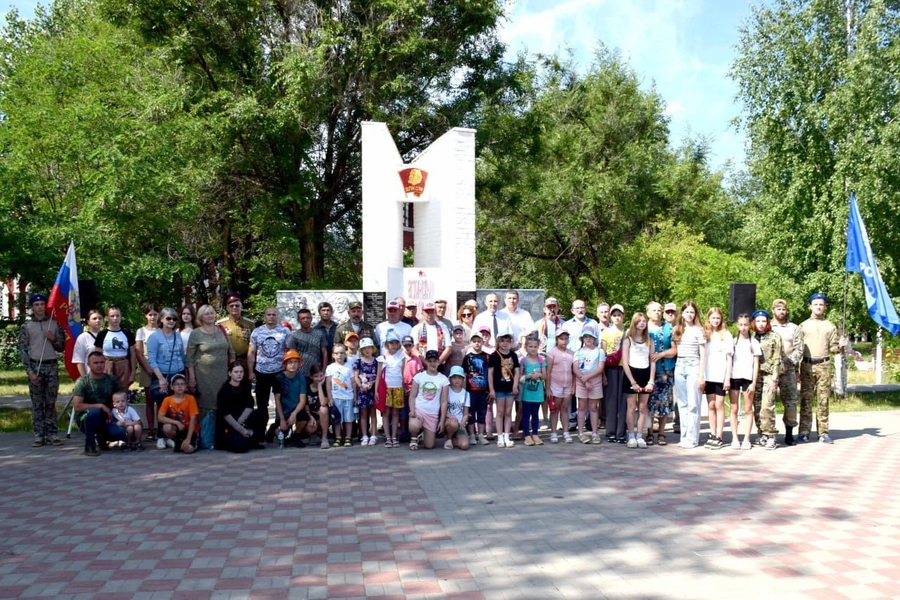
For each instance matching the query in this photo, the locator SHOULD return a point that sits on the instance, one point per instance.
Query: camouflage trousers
(787, 386)
(43, 400)
(764, 405)
(815, 383)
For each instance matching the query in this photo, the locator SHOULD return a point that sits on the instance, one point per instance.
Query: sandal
(661, 440)
(347, 443)
(388, 442)
(413, 444)
(537, 440)
(649, 439)
(529, 441)
(584, 438)
(448, 445)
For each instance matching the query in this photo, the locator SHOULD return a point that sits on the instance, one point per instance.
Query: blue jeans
(687, 396)
(95, 425)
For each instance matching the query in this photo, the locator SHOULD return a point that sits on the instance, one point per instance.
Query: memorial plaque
(374, 307)
(463, 297)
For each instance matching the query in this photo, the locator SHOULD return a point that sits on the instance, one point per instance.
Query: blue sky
(683, 47)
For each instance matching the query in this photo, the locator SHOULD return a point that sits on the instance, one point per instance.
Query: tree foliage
(820, 89)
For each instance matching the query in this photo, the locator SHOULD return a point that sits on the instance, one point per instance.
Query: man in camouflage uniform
(39, 341)
(791, 355)
(770, 368)
(237, 328)
(820, 341)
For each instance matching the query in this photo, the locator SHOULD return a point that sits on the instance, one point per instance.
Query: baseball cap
(350, 334)
(391, 336)
(366, 342)
(432, 354)
(457, 371)
(393, 305)
(354, 304)
(428, 306)
(551, 302)
(484, 329)
(407, 340)
(590, 330)
(670, 306)
(458, 327)
(779, 302)
(476, 334)
(616, 307)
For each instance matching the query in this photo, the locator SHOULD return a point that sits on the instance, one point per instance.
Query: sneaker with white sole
(373, 440)
(568, 437)
(160, 444)
(554, 438)
(501, 440)
(482, 439)
(632, 443)
(473, 439)
(735, 444)
(509, 441)
(641, 443)
(170, 443)
(770, 443)
(746, 445)
(364, 441)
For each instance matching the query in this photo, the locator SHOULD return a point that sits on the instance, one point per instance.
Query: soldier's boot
(789, 437)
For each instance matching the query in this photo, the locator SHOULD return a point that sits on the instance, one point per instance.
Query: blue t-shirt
(291, 389)
(165, 353)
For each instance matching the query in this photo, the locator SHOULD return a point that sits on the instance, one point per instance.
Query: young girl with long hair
(719, 350)
(744, 370)
(690, 372)
(639, 375)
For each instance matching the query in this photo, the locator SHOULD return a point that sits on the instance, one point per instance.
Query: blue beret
(762, 313)
(818, 296)
(36, 298)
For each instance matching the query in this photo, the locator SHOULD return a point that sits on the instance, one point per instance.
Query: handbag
(381, 392)
(208, 431)
(614, 358)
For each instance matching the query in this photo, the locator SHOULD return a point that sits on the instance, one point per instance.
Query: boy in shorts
(180, 418)
(127, 419)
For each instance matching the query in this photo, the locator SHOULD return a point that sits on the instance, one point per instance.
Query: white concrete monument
(441, 183)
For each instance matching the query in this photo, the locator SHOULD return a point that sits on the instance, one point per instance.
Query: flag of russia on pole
(861, 260)
(65, 306)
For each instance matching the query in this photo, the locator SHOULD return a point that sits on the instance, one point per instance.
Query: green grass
(14, 419)
(15, 383)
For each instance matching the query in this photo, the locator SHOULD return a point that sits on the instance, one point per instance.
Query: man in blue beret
(39, 341)
(820, 341)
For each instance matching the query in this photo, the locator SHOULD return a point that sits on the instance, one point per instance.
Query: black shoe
(789, 437)
(621, 440)
(104, 446)
(610, 439)
(802, 438)
(270, 433)
(91, 452)
(299, 443)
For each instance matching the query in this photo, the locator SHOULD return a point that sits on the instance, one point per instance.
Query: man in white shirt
(492, 318)
(430, 334)
(520, 320)
(394, 314)
(576, 324)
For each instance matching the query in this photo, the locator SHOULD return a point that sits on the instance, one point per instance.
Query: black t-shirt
(312, 396)
(504, 370)
(231, 401)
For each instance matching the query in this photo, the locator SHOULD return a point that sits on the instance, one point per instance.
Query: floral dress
(661, 402)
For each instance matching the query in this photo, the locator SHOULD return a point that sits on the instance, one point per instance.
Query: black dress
(234, 401)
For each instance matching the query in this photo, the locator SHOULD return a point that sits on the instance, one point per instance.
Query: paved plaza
(556, 521)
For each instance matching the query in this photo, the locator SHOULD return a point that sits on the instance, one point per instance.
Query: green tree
(573, 169)
(821, 97)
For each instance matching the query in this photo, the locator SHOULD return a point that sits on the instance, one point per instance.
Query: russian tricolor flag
(65, 306)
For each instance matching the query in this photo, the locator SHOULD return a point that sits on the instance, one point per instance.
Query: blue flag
(861, 260)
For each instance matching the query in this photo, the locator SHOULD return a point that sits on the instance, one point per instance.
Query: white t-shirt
(718, 353)
(457, 402)
(341, 381)
(400, 328)
(638, 355)
(428, 400)
(521, 324)
(185, 336)
(129, 416)
(393, 368)
(84, 345)
(744, 351)
(431, 335)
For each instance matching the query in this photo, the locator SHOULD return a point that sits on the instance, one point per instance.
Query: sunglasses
(168, 318)
(468, 315)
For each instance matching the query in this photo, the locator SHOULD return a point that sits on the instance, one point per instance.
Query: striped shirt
(689, 345)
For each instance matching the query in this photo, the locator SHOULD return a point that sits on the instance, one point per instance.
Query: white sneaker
(641, 443)
(771, 444)
(160, 444)
(509, 441)
(364, 441)
(735, 444)
(483, 440)
(554, 439)
(473, 439)
(567, 437)
(501, 440)
(170, 443)
(373, 440)
(746, 445)
(632, 443)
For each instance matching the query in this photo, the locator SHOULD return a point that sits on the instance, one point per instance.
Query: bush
(9, 348)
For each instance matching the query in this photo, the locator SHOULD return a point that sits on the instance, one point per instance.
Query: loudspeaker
(741, 300)
(87, 295)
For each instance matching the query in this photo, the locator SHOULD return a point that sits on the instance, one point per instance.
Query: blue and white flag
(861, 260)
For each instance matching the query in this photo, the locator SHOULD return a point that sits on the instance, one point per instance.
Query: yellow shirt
(238, 333)
(820, 338)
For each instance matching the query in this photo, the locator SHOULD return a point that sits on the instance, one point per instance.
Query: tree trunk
(312, 250)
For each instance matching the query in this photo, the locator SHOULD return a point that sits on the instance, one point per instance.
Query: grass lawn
(14, 419)
(15, 383)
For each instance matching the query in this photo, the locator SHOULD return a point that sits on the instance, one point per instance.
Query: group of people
(486, 375)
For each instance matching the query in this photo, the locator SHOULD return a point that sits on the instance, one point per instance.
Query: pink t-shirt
(561, 370)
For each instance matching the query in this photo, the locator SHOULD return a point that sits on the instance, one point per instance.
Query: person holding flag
(65, 307)
(39, 341)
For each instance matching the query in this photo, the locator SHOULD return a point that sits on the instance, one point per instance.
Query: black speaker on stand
(87, 295)
(741, 300)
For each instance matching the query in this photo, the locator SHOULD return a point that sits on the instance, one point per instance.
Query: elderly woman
(208, 357)
(165, 354)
